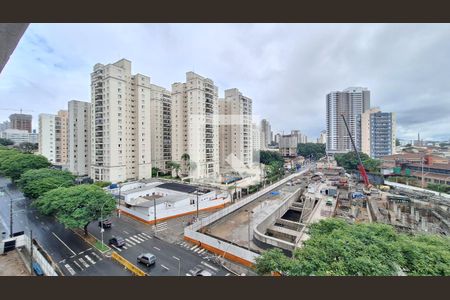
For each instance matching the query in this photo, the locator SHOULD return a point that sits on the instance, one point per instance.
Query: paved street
(139, 239)
(64, 246)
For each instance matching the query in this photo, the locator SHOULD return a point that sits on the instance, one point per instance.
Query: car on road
(117, 241)
(146, 259)
(199, 271)
(106, 223)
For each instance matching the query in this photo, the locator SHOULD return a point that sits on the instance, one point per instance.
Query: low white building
(171, 200)
(19, 136)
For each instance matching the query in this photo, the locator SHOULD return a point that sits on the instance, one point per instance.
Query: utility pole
(421, 160)
(31, 250)
(197, 202)
(10, 216)
(154, 216)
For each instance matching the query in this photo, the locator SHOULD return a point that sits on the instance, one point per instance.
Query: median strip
(128, 265)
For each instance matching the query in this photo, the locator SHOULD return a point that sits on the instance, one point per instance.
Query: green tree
(185, 158)
(6, 142)
(397, 142)
(155, 171)
(266, 157)
(313, 150)
(102, 184)
(34, 183)
(76, 206)
(349, 161)
(174, 166)
(27, 147)
(370, 249)
(17, 164)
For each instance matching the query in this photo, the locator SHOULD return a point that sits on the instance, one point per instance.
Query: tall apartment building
(195, 119)
(20, 121)
(161, 127)
(47, 136)
(276, 138)
(377, 133)
(79, 137)
(288, 145)
(266, 138)
(61, 137)
(235, 130)
(120, 123)
(351, 102)
(322, 138)
(256, 138)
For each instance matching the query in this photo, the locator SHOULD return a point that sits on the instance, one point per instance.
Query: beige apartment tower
(195, 119)
(236, 150)
(79, 137)
(120, 123)
(161, 127)
(62, 148)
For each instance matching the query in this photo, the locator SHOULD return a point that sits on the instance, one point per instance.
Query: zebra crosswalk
(160, 226)
(80, 262)
(133, 240)
(195, 249)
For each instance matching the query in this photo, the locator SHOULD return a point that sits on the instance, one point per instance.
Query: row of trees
(54, 192)
(336, 248)
(274, 164)
(349, 161)
(313, 150)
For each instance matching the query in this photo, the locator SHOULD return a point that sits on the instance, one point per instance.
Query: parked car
(199, 271)
(106, 223)
(146, 259)
(117, 241)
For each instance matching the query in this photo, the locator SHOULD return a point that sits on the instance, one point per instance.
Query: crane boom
(361, 168)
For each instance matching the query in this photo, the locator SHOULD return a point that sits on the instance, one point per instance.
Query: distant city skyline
(287, 69)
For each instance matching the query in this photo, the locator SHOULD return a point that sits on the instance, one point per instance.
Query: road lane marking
(120, 250)
(146, 235)
(157, 248)
(209, 266)
(64, 260)
(135, 240)
(187, 274)
(96, 256)
(37, 218)
(228, 274)
(125, 232)
(90, 259)
(76, 263)
(125, 247)
(81, 253)
(128, 241)
(165, 267)
(138, 238)
(85, 264)
(143, 236)
(194, 247)
(197, 250)
(69, 268)
(64, 243)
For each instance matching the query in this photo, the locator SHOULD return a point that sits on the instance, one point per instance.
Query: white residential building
(79, 137)
(322, 138)
(351, 102)
(236, 150)
(61, 137)
(195, 119)
(161, 127)
(47, 136)
(19, 136)
(120, 123)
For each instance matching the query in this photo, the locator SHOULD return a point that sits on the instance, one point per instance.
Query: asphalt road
(72, 254)
(139, 238)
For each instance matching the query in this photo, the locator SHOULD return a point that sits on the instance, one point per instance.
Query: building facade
(61, 137)
(47, 136)
(161, 127)
(322, 138)
(79, 137)
(288, 145)
(19, 136)
(266, 133)
(235, 130)
(20, 122)
(120, 123)
(350, 103)
(4, 125)
(195, 120)
(377, 133)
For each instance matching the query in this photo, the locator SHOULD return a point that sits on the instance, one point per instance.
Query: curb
(87, 241)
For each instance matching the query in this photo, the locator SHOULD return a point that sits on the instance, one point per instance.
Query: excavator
(361, 168)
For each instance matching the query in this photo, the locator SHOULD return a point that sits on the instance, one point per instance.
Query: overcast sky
(287, 69)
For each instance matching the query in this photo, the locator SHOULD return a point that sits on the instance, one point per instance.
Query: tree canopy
(266, 157)
(27, 147)
(316, 151)
(337, 248)
(349, 161)
(14, 163)
(34, 183)
(76, 206)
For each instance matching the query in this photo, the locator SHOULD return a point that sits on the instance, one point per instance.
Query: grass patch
(100, 246)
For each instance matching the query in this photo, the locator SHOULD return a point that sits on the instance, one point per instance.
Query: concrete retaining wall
(405, 186)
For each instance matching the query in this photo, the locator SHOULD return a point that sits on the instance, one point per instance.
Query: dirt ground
(12, 265)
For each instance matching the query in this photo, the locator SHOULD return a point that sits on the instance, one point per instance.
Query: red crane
(361, 168)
